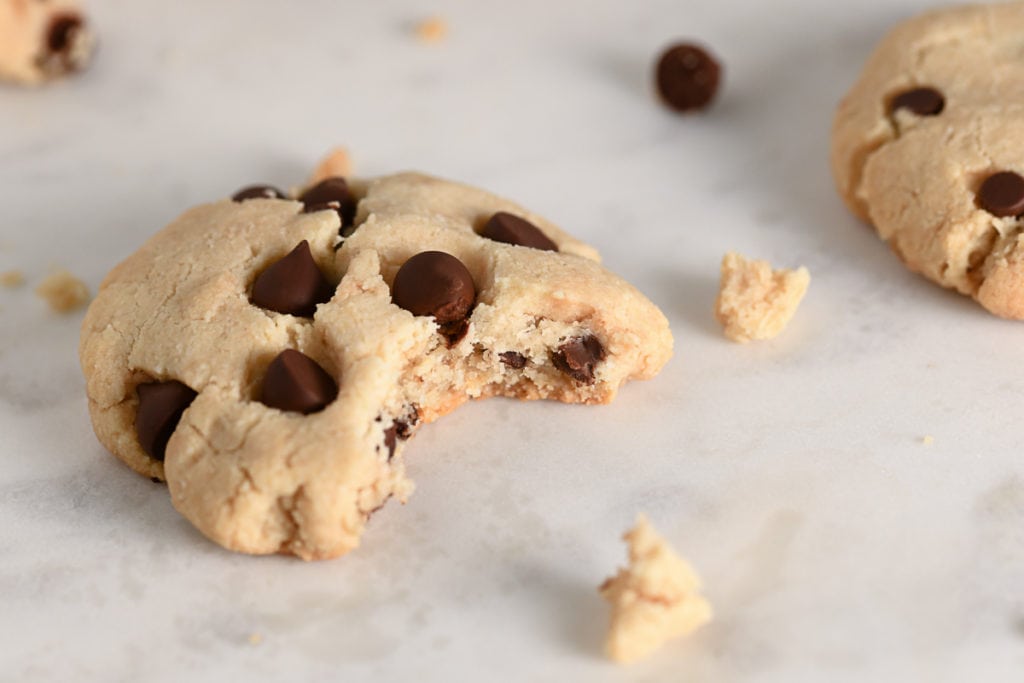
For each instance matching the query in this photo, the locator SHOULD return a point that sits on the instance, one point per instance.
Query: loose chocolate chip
(258, 192)
(61, 33)
(687, 77)
(513, 359)
(437, 284)
(1002, 194)
(295, 382)
(577, 358)
(292, 285)
(320, 196)
(511, 229)
(160, 407)
(923, 101)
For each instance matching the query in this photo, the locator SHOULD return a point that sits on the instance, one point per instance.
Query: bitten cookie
(41, 40)
(269, 357)
(928, 146)
(656, 598)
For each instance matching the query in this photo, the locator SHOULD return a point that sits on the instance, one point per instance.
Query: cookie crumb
(63, 291)
(255, 638)
(754, 300)
(654, 599)
(432, 30)
(927, 440)
(336, 163)
(12, 278)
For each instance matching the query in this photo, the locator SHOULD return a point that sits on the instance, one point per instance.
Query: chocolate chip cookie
(269, 356)
(927, 146)
(41, 40)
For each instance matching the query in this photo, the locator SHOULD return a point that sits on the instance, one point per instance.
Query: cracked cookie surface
(922, 141)
(277, 410)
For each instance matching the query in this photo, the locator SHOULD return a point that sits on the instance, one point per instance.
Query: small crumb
(12, 278)
(432, 30)
(335, 163)
(63, 291)
(655, 598)
(927, 440)
(255, 638)
(754, 300)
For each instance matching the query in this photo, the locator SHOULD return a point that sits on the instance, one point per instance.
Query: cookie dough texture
(754, 300)
(259, 480)
(41, 40)
(915, 177)
(654, 599)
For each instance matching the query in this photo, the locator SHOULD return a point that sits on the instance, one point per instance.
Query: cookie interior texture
(259, 479)
(937, 111)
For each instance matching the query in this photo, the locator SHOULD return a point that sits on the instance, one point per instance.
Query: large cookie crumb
(654, 599)
(63, 291)
(432, 30)
(755, 301)
(12, 278)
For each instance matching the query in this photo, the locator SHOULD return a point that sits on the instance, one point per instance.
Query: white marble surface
(834, 544)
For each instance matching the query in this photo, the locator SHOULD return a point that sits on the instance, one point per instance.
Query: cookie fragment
(296, 383)
(12, 278)
(687, 77)
(161, 405)
(432, 30)
(63, 292)
(292, 285)
(43, 41)
(755, 301)
(654, 599)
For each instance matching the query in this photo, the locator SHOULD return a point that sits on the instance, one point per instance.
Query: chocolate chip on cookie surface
(312, 365)
(42, 41)
(928, 146)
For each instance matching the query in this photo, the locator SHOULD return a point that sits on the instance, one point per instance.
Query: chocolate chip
(437, 284)
(258, 192)
(921, 101)
(390, 439)
(577, 358)
(687, 77)
(160, 407)
(294, 382)
(61, 33)
(293, 284)
(157, 480)
(1002, 194)
(331, 190)
(511, 229)
(513, 359)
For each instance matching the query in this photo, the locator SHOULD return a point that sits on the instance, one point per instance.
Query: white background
(834, 544)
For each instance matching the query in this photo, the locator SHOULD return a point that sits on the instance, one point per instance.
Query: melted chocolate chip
(687, 77)
(578, 358)
(294, 382)
(161, 405)
(511, 229)
(436, 284)
(292, 285)
(513, 359)
(923, 101)
(331, 193)
(1002, 194)
(258, 192)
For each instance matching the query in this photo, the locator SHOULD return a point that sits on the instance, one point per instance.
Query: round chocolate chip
(435, 283)
(511, 229)
(294, 382)
(292, 285)
(1002, 194)
(331, 193)
(923, 101)
(258, 192)
(62, 32)
(579, 357)
(687, 77)
(160, 407)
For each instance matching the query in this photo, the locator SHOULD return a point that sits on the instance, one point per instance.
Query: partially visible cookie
(654, 599)
(756, 301)
(928, 146)
(41, 40)
(269, 357)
